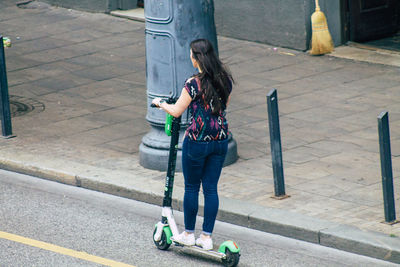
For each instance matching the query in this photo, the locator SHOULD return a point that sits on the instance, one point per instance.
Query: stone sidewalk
(78, 93)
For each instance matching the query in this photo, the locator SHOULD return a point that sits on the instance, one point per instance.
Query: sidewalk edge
(275, 221)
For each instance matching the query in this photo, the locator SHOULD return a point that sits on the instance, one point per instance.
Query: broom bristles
(321, 41)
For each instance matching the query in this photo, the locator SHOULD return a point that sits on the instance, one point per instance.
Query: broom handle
(317, 8)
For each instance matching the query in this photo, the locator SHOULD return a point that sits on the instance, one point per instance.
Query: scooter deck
(198, 249)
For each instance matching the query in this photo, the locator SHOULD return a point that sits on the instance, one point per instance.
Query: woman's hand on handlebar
(156, 101)
(176, 109)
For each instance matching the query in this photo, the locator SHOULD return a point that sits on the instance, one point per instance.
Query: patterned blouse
(204, 126)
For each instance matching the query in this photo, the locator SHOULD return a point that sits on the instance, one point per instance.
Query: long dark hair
(215, 78)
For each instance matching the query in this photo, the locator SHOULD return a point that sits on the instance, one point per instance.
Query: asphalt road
(79, 227)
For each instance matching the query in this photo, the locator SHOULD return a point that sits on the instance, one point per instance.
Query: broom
(321, 41)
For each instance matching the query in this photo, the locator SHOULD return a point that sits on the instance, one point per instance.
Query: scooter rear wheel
(232, 259)
(162, 244)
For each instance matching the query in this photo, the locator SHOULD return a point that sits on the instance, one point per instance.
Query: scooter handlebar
(169, 101)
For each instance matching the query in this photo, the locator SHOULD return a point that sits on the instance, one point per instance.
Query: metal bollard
(276, 147)
(386, 168)
(5, 114)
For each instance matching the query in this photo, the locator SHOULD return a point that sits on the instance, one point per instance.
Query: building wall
(285, 23)
(94, 5)
(276, 22)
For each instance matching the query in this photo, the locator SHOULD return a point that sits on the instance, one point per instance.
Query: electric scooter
(229, 251)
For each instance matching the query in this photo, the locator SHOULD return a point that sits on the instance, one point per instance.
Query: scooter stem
(173, 151)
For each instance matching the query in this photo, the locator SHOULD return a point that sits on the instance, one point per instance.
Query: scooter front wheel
(232, 258)
(163, 243)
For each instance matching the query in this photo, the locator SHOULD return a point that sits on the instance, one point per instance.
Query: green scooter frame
(228, 252)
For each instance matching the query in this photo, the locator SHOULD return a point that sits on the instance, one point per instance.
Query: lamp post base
(154, 151)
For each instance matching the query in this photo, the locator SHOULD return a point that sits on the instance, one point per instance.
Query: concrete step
(133, 14)
(367, 53)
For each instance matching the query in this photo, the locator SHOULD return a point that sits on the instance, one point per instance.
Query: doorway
(374, 23)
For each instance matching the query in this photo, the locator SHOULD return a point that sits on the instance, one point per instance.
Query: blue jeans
(202, 164)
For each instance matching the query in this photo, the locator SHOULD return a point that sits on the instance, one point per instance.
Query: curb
(270, 220)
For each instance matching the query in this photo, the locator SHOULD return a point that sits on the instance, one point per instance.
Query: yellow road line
(60, 250)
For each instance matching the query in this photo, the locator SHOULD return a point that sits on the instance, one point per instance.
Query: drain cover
(20, 106)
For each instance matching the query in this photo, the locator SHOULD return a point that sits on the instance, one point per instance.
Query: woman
(205, 144)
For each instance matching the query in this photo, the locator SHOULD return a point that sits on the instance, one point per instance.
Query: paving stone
(130, 51)
(320, 114)
(356, 159)
(102, 73)
(333, 146)
(372, 101)
(26, 90)
(59, 99)
(71, 126)
(131, 65)
(128, 145)
(15, 78)
(136, 77)
(238, 72)
(376, 82)
(91, 60)
(58, 68)
(226, 43)
(26, 75)
(231, 57)
(9, 9)
(253, 132)
(96, 89)
(107, 24)
(55, 54)
(290, 124)
(395, 147)
(111, 41)
(62, 27)
(328, 186)
(288, 106)
(256, 65)
(365, 144)
(109, 116)
(303, 135)
(299, 155)
(83, 49)
(39, 45)
(134, 110)
(81, 35)
(61, 83)
(16, 62)
(105, 134)
(239, 118)
(370, 195)
(286, 73)
(249, 151)
(314, 169)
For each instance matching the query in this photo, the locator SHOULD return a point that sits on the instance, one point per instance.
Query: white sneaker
(206, 243)
(184, 239)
